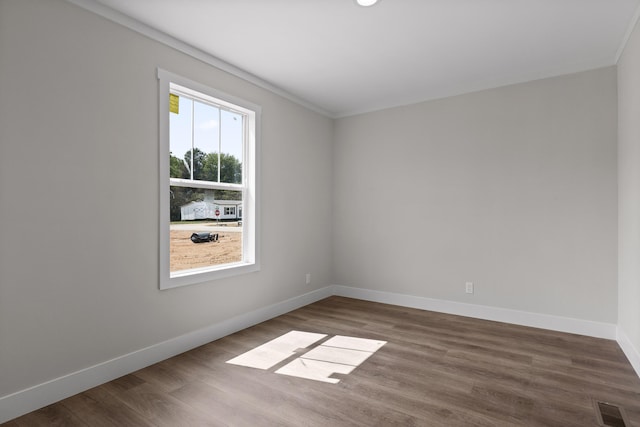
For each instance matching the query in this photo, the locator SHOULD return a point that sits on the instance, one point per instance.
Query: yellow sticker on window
(174, 103)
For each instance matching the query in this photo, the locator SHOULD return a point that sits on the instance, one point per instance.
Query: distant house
(207, 209)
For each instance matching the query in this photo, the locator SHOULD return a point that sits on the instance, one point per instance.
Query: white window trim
(251, 200)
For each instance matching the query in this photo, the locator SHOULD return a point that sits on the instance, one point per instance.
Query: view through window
(206, 144)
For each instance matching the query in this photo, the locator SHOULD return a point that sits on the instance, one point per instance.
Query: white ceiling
(345, 59)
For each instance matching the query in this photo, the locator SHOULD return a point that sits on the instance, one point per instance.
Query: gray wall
(79, 196)
(513, 189)
(629, 190)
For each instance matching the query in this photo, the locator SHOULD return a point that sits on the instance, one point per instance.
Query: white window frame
(250, 185)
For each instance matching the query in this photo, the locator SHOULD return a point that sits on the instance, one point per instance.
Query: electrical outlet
(307, 278)
(469, 287)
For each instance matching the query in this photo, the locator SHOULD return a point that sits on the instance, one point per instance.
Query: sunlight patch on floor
(275, 351)
(337, 355)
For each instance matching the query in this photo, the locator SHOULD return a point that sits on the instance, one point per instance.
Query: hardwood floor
(435, 370)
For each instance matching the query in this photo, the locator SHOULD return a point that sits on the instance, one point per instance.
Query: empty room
(319, 213)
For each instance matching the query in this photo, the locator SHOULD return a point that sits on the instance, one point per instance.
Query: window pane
(180, 139)
(205, 229)
(232, 132)
(206, 126)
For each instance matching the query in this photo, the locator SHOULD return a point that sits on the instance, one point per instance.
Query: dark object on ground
(204, 237)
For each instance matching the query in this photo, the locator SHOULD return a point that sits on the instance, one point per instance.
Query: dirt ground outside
(184, 254)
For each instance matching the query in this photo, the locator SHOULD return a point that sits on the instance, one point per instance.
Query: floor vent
(610, 415)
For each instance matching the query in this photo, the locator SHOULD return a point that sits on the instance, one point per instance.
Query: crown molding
(170, 41)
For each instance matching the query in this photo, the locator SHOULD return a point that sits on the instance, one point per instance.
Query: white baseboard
(524, 318)
(629, 350)
(25, 401)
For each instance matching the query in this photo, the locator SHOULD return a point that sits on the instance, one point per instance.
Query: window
(208, 172)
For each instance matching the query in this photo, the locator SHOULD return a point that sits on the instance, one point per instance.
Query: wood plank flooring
(435, 370)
